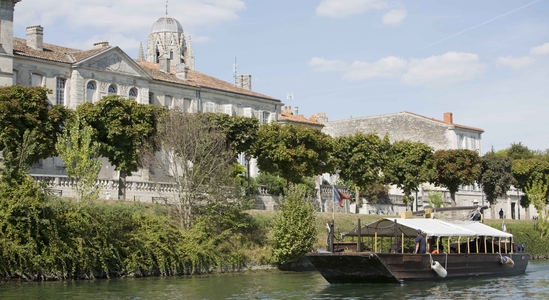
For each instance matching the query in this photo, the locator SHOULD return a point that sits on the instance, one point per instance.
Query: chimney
(35, 37)
(244, 81)
(101, 44)
(181, 71)
(296, 111)
(165, 65)
(448, 118)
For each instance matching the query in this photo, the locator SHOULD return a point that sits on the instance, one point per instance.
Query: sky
(487, 62)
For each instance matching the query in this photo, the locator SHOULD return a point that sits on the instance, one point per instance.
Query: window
(168, 101)
(229, 109)
(91, 90)
(264, 117)
(151, 98)
(248, 112)
(187, 105)
(171, 55)
(15, 75)
(133, 93)
(112, 89)
(60, 92)
(209, 107)
(37, 80)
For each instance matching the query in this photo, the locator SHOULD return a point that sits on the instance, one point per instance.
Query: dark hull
(341, 267)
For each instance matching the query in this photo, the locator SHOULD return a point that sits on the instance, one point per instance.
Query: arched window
(91, 90)
(151, 98)
(133, 93)
(171, 55)
(112, 89)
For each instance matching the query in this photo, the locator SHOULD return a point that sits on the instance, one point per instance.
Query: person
(501, 213)
(421, 245)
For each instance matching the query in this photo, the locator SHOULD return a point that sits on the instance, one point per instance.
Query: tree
(495, 177)
(80, 155)
(454, 168)
(409, 165)
(435, 199)
(519, 151)
(240, 132)
(25, 110)
(361, 159)
(526, 172)
(195, 157)
(293, 151)
(537, 193)
(294, 231)
(123, 127)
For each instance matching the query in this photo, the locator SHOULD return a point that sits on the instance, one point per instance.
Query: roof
(431, 227)
(284, 116)
(198, 79)
(166, 24)
(442, 122)
(53, 52)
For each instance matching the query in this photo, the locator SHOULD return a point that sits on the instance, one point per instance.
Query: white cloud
(516, 63)
(122, 17)
(323, 65)
(540, 50)
(448, 68)
(344, 8)
(387, 67)
(394, 17)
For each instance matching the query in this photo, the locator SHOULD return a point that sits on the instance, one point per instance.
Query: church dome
(166, 24)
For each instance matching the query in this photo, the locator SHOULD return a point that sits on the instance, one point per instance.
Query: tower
(6, 41)
(166, 40)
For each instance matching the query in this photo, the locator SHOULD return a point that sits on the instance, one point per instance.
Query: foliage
(375, 191)
(275, 184)
(537, 193)
(293, 151)
(495, 178)
(27, 111)
(454, 168)
(527, 171)
(240, 132)
(15, 168)
(123, 127)
(361, 159)
(80, 156)
(239, 172)
(409, 165)
(194, 156)
(519, 151)
(435, 199)
(294, 231)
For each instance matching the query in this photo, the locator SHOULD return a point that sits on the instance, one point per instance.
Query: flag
(503, 227)
(338, 196)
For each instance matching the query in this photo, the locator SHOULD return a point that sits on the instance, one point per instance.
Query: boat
(455, 249)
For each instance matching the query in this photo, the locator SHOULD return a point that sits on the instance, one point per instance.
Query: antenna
(166, 7)
(234, 71)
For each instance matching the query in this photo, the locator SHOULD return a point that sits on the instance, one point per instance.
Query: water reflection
(276, 285)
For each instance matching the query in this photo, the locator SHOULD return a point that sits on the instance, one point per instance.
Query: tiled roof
(53, 52)
(195, 78)
(442, 122)
(285, 116)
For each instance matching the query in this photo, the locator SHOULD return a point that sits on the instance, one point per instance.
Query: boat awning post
(402, 241)
(359, 242)
(459, 244)
(375, 242)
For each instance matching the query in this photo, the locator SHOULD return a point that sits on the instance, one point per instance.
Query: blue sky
(487, 62)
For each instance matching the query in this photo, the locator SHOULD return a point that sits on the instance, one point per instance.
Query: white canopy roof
(431, 227)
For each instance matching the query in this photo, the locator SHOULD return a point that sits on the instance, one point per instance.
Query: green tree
(519, 151)
(495, 178)
(361, 159)
(123, 127)
(526, 172)
(80, 155)
(25, 110)
(435, 199)
(537, 193)
(454, 168)
(293, 151)
(409, 165)
(240, 132)
(294, 231)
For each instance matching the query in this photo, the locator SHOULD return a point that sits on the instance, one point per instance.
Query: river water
(277, 285)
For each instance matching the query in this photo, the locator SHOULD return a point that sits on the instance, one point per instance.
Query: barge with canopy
(472, 249)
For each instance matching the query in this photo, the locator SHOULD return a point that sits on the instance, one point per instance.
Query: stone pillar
(6, 41)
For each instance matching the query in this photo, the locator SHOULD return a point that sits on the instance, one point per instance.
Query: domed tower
(166, 40)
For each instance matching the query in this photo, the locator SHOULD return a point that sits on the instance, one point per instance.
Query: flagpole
(333, 209)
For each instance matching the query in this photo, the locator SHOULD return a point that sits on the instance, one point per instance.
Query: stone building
(165, 77)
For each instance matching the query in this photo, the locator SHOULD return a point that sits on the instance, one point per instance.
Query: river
(277, 285)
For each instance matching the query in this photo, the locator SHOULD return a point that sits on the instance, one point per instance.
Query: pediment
(114, 61)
